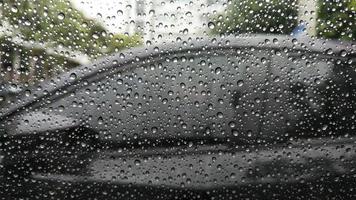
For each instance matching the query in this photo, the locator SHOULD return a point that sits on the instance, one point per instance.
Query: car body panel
(37, 122)
(213, 167)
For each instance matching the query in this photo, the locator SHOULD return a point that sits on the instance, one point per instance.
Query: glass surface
(177, 99)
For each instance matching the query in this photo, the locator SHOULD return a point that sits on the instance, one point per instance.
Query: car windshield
(177, 99)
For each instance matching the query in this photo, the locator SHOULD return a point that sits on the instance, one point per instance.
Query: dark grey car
(204, 118)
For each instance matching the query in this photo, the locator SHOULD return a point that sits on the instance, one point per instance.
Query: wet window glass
(177, 99)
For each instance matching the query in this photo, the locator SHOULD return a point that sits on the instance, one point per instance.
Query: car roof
(259, 41)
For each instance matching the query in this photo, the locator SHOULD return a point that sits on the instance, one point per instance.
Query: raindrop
(240, 83)
(137, 162)
(258, 100)
(27, 93)
(232, 124)
(276, 79)
(61, 108)
(249, 133)
(73, 76)
(165, 101)
(119, 12)
(211, 25)
(343, 53)
(61, 16)
(317, 81)
(100, 120)
(95, 36)
(35, 58)
(235, 133)
(329, 51)
(14, 9)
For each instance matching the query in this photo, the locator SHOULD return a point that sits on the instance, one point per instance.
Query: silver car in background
(203, 118)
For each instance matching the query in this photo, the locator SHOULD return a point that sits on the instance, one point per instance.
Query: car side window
(236, 96)
(213, 96)
(312, 94)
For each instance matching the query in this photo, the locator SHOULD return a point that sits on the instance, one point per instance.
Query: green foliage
(117, 42)
(54, 24)
(257, 16)
(337, 19)
(59, 23)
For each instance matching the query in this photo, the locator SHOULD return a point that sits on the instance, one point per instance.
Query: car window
(300, 90)
(294, 79)
(314, 100)
(196, 95)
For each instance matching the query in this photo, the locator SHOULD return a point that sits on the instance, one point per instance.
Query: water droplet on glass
(61, 16)
(73, 76)
(235, 133)
(232, 124)
(137, 162)
(14, 9)
(100, 120)
(211, 25)
(317, 81)
(343, 53)
(329, 51)
(60, 108)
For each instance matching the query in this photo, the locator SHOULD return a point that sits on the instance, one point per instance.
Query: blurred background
(41, 38)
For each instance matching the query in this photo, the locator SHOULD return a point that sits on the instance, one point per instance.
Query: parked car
(224, 118)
